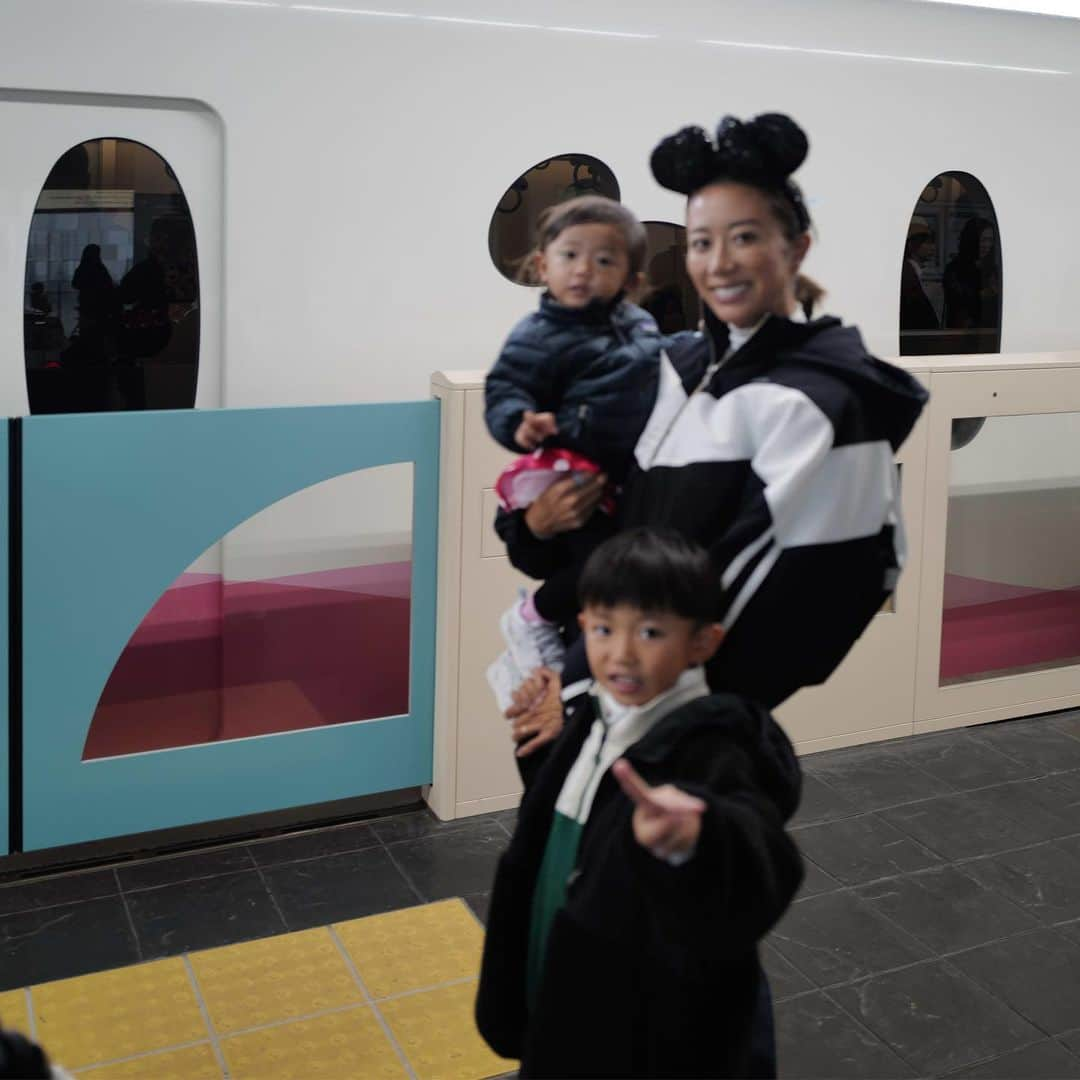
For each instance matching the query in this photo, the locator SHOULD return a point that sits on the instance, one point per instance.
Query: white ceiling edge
(1069, 9)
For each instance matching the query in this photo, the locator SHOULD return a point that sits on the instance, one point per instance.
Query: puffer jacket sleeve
(521, 379)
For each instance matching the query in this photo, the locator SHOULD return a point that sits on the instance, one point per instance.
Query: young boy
(650, 854)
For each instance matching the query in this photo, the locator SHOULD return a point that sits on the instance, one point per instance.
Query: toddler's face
(636, 655)
(585, 263)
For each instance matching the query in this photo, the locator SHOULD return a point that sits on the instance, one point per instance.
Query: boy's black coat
(652, 970)
(594, 367)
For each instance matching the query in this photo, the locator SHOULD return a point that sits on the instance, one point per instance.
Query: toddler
(575, 383)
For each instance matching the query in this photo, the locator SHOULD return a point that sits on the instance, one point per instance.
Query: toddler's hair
(586, 210)
(655, 570)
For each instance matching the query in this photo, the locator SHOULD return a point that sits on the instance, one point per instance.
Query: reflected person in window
(972, 280)
(917, 312)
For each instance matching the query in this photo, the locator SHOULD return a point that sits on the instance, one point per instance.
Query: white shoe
(532, 644)
(504, 677)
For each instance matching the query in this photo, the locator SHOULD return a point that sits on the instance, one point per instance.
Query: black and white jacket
(779, 460)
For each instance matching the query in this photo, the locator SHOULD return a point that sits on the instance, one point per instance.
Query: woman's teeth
(730, 292)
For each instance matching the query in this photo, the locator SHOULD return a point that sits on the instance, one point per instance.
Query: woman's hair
(761, 153)
(585, 210)
(967, 249)
(656, 570)
(808, 293)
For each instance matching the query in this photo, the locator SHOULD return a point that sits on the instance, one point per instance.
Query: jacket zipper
(712, 368)
(576, 872)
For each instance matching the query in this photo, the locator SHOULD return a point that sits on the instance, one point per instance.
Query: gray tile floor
(938, 932)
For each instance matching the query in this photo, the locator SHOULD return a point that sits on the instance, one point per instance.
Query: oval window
(951, 280)
(669, 295)
(513, 224)
(111, 301)
(950, 283)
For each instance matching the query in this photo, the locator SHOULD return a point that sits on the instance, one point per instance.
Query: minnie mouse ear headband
(762, 152)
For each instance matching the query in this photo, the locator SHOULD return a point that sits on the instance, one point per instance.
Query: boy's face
(585, 263)
(636, 655)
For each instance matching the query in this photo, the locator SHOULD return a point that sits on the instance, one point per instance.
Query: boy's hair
(586, 210)
(656, 570)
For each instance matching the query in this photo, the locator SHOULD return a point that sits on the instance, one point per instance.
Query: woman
(972, 284)
(771, 441)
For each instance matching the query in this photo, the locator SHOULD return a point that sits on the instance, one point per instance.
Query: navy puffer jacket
(595, 368)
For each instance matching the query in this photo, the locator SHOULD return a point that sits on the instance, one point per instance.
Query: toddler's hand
(534, 428)
(667, 821)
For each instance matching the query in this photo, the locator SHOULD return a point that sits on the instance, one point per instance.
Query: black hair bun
(781, 143)
(684, 161)
(765, 150)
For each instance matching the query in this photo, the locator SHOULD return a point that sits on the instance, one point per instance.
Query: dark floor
(938, 932)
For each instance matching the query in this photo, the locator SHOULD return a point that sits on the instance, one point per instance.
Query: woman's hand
(537, 711)
(567, 504)
(667, 821)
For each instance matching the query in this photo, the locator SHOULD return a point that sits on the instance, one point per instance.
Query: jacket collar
(689, 686)
(595, 312)
(773, 335)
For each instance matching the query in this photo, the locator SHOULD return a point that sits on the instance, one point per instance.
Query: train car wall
(364, 153)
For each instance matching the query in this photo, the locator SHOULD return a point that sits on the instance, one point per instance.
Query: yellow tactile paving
(116, 1014)
(345, 1044)
(260, 982)
(435, 1028)
(414, 948)
(191, 1063)
(13, 1014)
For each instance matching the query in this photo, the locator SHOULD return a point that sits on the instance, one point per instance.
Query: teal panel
(5, 763)
(115, 508)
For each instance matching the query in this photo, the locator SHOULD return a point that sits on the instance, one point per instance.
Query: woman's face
(737, 256)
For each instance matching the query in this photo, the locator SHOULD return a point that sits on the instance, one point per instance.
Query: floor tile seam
(862, 811)
(188, 881)
(426, 989)
(861, 1023)
(960, 973)
(215, 1045)
(959, 859)
(274, 903)
(934, 956)
(355, 973)
(995, 1057)
(131, 922)
(408, 880)
(91, 1068)
(314, 858)
(332, 1010)
(298, 1018)
(53, 907)
(940, 954)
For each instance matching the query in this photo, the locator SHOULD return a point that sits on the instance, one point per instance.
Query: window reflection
(111, 301)
(950, 282)
(513, 224)
(669, 297)
(1011, 600)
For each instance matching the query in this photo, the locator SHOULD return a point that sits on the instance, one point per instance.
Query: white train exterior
(342, 163)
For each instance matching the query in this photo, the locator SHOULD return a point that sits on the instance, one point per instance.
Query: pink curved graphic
(217, 660)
